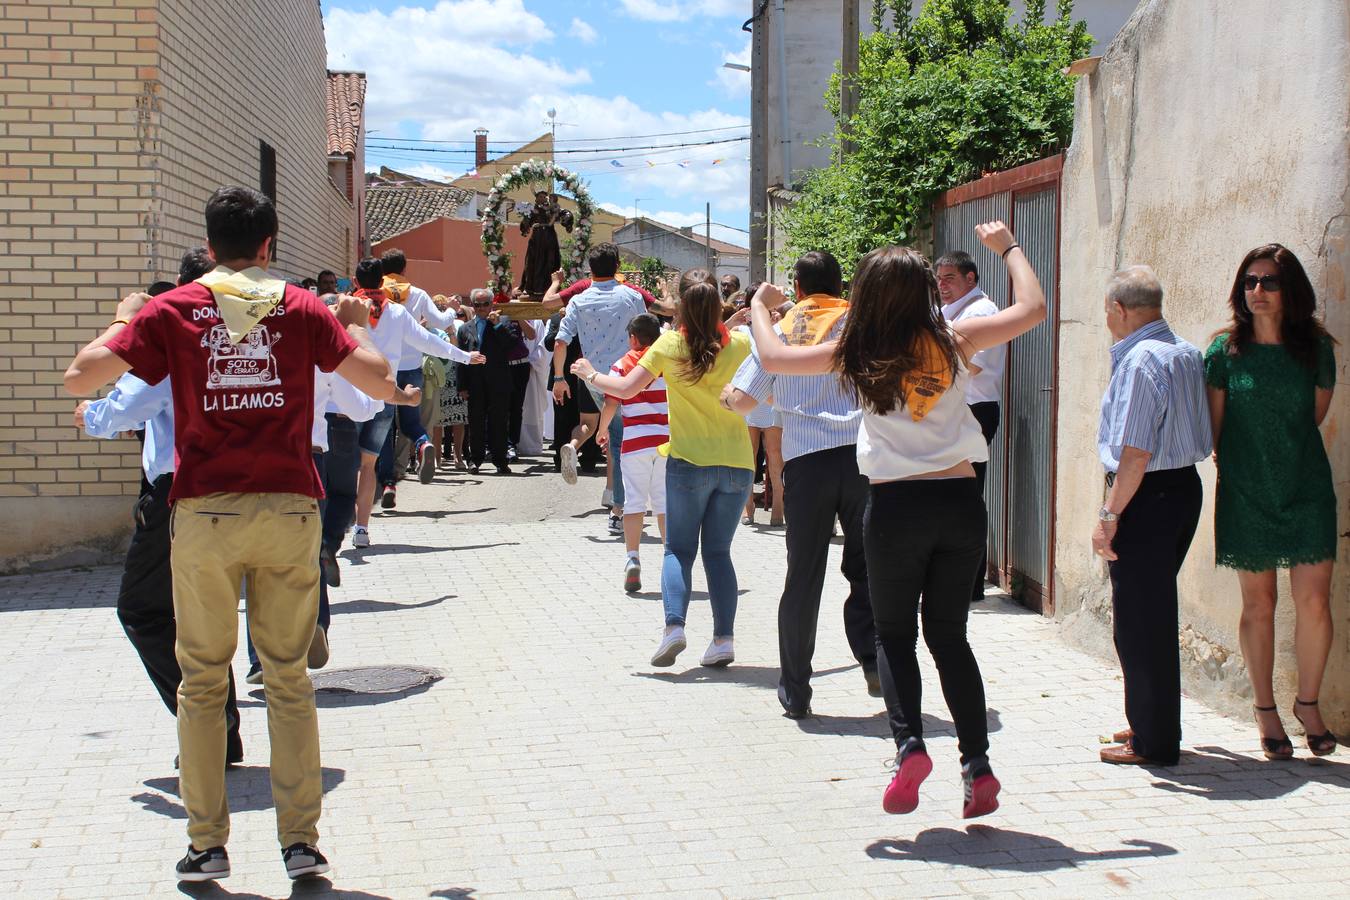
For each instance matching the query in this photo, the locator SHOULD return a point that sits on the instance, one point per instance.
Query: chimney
(480, 148)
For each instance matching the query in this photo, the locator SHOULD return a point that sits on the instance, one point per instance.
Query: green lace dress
(1276, 505)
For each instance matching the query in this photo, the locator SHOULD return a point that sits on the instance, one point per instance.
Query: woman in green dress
(1270, 377)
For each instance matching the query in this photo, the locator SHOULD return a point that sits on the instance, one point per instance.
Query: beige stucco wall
(112, 136)
(1196, 140)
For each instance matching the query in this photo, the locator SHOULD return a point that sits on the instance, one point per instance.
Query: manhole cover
(375, 679)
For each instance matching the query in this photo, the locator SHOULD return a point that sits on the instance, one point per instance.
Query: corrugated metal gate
(1019, 489)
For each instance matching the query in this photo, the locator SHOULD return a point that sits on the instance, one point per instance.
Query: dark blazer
(497, 343)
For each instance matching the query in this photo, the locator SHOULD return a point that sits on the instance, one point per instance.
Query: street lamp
(735, 67)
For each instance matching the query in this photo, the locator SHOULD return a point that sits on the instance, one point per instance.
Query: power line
(655, 147)
(627, 137)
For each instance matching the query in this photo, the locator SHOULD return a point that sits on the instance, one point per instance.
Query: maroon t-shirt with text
(243, 412)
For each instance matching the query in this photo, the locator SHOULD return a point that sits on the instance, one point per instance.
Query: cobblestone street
(553, 760)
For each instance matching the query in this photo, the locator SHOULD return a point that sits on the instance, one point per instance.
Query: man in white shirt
(958, 281)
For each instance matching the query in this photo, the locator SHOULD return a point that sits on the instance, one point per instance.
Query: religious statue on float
(543, 255)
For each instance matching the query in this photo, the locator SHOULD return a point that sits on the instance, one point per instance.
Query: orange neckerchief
(723, 336)
(925, 384)
(813, 319)
(397, 287)
(377, 298)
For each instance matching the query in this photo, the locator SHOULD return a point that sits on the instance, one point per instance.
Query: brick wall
(106, 159)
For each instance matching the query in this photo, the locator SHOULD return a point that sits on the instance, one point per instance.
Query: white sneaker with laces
(632, 575)
(567, 461)
(360, 537)
(672, 642)
(719, 653)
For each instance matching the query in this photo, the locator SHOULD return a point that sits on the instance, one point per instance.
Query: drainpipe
(783, 136)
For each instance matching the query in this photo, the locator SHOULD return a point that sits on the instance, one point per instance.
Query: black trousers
(818, 488)
(924, 539)
(145, 601)
(520, 382)
(1151, 542)
(987, 414)
(489, 414)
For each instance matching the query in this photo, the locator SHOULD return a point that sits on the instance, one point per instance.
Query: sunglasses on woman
(1269, 283)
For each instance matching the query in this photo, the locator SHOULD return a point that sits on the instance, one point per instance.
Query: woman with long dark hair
(924, 530)
(1271, 373)
(710, 469)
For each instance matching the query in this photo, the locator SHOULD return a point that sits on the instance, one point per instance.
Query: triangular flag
(716, 161)
(684, 164)
(651, 164)
(616, 164)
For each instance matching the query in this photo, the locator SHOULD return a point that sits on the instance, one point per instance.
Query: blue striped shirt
(1155, 401)
(818, 412)
(131, 405)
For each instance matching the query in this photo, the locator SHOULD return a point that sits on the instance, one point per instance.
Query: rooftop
(346, 100)
(396, 203)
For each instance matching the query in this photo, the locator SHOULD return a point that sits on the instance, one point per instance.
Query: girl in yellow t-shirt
(710, 467)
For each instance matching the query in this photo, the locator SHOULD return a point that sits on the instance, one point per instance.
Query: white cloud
(583, 32)
(492, 64)
(671, 11)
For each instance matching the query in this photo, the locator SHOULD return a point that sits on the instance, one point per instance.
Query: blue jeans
(342, 463)
(702, 503)
(409, 422)
(615, 442)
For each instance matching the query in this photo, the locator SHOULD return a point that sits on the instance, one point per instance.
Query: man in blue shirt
(1154, 429)
(145, 597)
(821, 482)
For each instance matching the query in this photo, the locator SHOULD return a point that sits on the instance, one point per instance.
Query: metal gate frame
(1001, 191)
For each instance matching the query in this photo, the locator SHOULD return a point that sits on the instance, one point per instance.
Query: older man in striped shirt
(821, 482)
(1154, 429)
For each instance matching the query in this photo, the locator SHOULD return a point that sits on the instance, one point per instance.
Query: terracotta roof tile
(346, 99)
(393, 210)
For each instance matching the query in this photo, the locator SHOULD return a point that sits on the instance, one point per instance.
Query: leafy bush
(954, 93)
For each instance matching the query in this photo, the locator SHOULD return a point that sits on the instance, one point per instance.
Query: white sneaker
(607, 498)
(567, 457)
(672, 642)
(719, 653)
(360, 537)
(632, 575)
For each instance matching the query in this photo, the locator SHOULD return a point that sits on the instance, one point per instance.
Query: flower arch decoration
(494, 220)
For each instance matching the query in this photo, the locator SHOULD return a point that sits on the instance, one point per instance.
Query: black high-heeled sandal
(1273, 748)
(1323, 744)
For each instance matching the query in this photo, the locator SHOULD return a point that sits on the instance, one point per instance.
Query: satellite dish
(552, 113)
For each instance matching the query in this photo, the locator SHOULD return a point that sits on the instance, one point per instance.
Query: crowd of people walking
(276, 416)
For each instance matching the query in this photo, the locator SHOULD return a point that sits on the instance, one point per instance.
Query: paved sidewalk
(552, 760)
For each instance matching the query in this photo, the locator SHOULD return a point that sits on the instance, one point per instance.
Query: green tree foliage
(955, 92)
(652, 273)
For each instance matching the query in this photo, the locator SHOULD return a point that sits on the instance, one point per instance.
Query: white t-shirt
(894, 446)
(987, 386)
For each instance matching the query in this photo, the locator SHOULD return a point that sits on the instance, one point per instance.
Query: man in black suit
(488, 387)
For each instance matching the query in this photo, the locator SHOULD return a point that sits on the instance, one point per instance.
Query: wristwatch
(1105, 515)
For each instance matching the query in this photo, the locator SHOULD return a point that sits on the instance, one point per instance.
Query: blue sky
(618, 69)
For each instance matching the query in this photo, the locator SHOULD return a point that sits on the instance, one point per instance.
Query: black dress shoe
(473, 469)
(803, 712)
(503, 470)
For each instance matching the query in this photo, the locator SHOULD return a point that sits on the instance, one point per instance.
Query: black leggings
(925, 538)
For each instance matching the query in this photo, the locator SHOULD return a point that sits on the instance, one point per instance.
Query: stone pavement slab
(553, 761)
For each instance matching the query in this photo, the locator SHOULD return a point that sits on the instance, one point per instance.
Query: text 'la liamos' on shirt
(243, 412)
(646, 416)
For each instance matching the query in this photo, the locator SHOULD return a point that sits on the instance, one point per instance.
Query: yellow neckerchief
(923, 386)
(397, 287)
(812, 319)
(244, 298)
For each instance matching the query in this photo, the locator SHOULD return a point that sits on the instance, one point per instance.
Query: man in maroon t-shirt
(241, 349)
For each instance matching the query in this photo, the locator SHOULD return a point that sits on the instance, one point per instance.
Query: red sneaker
(902, 794)
(981, 790)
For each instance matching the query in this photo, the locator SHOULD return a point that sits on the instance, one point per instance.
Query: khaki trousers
(272, 541)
